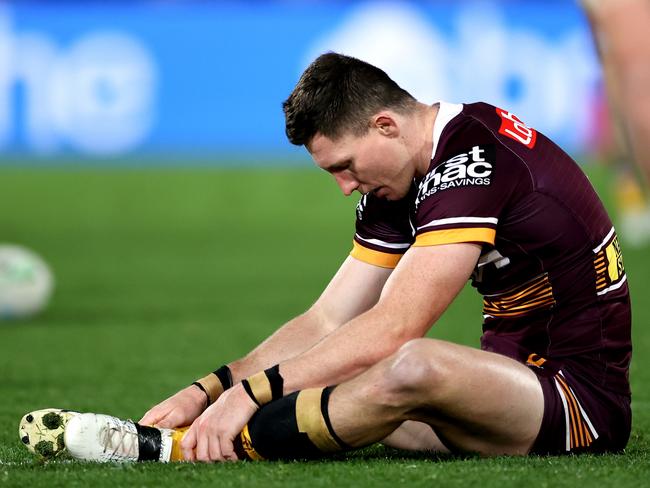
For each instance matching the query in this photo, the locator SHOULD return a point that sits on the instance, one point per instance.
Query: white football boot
(103, 438)
(42, 431)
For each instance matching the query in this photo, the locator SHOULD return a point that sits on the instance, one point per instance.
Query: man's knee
(416, 372)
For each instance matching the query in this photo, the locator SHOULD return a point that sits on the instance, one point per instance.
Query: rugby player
(450, 193)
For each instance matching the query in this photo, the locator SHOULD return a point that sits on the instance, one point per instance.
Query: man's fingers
(202, 453)
(188, 444)
(149, 418)
(169, 421)
(227, 449)
(215, 449)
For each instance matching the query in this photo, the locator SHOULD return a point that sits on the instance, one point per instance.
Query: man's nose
(346, 183)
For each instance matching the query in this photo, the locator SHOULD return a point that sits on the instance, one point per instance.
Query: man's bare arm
(420, 289)
(355, 288)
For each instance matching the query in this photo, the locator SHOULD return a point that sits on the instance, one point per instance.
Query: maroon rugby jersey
(550, 271)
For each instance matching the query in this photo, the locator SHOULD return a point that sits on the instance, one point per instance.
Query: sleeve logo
(608, 261)
(471, 168)
(515, 129)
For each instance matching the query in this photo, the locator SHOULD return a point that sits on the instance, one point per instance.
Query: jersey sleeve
(462, 198)
(383, 231)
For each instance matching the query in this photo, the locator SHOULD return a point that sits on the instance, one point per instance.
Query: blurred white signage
(551, 82)
(95, 96)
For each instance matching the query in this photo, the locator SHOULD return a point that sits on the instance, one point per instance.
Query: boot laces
(120, 440)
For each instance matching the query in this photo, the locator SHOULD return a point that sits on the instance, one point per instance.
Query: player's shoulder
(472, 122)
(483, 120)
(471, 132)
(468, 156)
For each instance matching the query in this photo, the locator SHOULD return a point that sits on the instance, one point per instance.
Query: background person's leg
(620, 30)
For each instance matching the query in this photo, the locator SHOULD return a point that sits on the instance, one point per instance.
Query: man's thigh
(415, 436)
(475, 400)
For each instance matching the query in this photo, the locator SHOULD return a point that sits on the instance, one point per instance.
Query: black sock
(294, 427)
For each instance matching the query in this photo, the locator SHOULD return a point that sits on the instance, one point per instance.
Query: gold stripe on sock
(261, 388)
(177, 437)
(247, 444)
(311, 421)
(212, 386)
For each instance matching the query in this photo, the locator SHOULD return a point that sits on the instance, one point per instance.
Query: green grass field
(164, 274)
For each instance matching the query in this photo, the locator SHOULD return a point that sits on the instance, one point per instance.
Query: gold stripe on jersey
(580, 434)
(370, 256)
(535, 295)
(453, 236)
(608, 263)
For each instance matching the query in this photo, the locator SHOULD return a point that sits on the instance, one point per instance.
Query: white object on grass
(26, 282)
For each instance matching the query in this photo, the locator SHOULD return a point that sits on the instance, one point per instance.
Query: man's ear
(386, 124)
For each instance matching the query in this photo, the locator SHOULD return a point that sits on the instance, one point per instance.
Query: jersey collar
(446, 112)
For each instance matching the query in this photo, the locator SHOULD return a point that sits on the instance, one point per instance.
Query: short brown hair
(338, 94)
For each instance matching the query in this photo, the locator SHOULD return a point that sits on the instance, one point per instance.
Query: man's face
(377, 162)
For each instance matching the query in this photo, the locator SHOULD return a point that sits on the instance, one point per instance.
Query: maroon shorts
(580, 416)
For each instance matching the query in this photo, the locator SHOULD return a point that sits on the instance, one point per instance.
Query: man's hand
(178, 410)
(211, 436)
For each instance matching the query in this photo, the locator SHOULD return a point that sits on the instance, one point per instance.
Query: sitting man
(450, 192)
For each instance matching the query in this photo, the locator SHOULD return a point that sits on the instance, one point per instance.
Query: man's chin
(383, 193)
(393, 196)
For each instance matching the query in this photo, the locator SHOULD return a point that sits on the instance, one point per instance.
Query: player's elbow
(392, 332)
(321, 321)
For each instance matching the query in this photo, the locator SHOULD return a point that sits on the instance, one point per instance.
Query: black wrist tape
(249, 391)
(215, 383)
(265, 387)
(225, 376)
(275, 380)
(202, 388)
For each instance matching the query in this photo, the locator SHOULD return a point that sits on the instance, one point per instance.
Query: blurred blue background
(105, 81)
